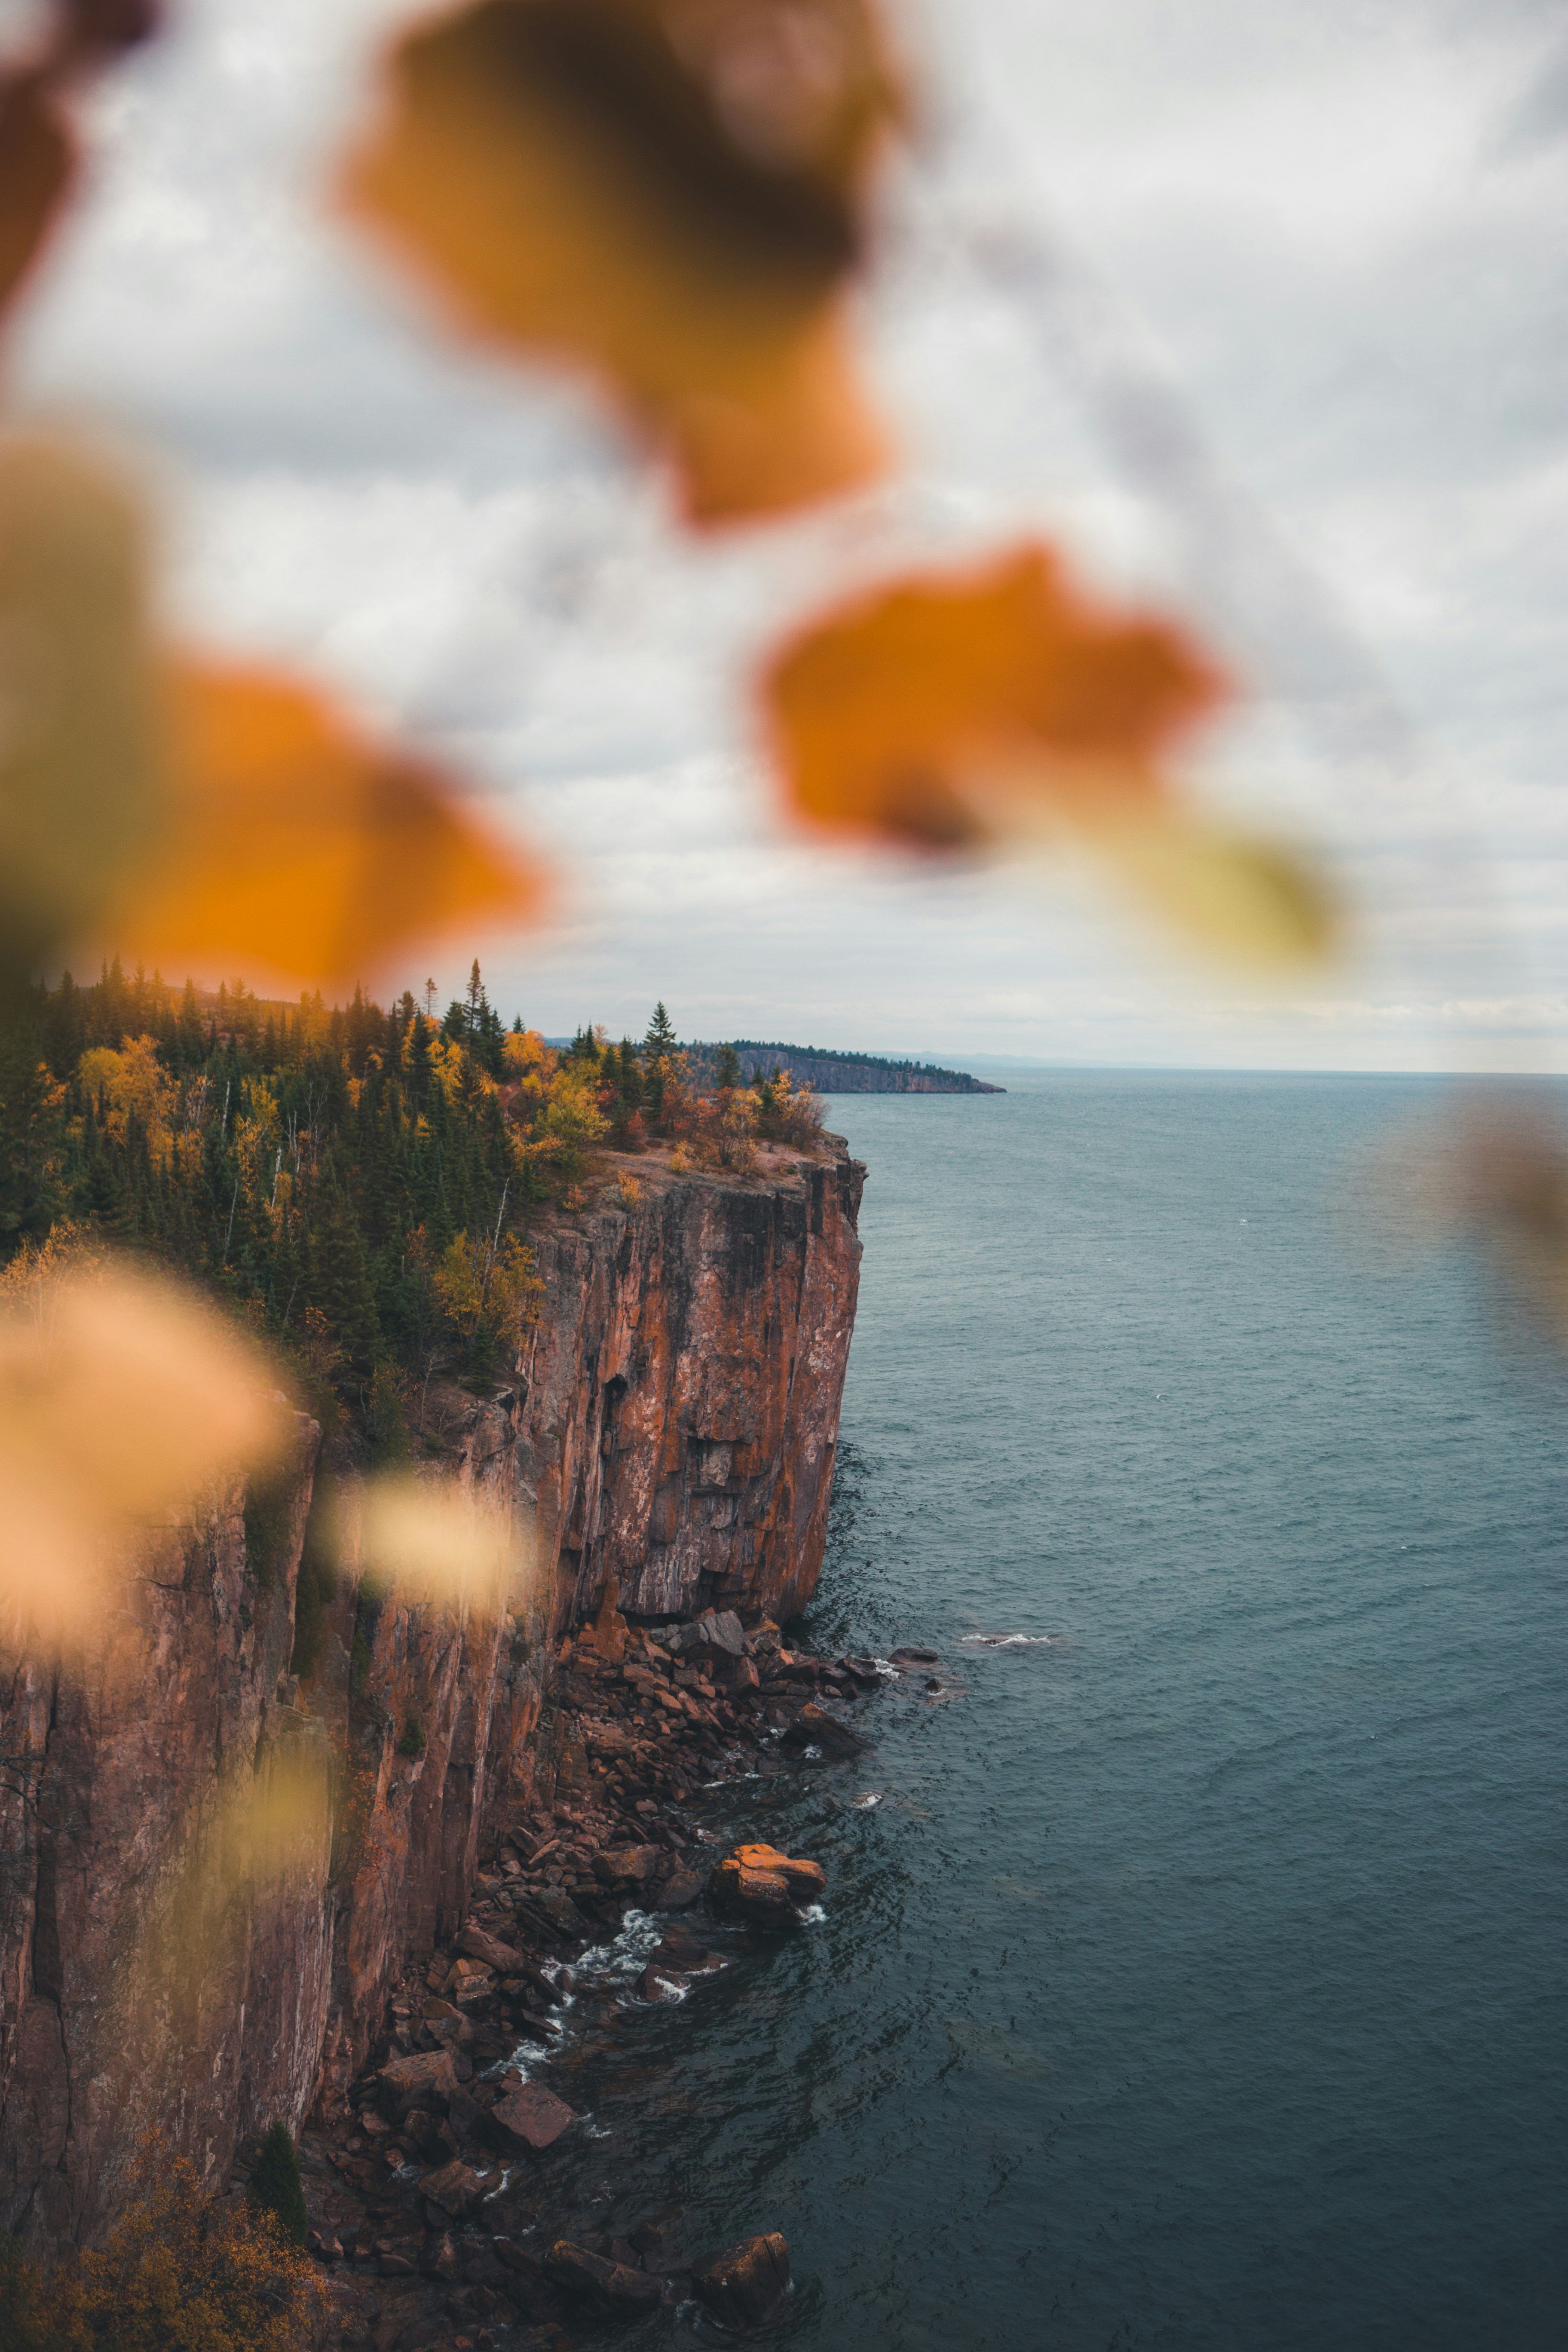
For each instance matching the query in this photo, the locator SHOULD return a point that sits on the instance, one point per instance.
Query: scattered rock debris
(400, 2186)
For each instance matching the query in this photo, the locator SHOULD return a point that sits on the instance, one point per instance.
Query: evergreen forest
(357, 1181)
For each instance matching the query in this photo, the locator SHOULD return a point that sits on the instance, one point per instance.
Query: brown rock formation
(159, 1966)
(767, 1886)
(681, 1397)
(667, 1447)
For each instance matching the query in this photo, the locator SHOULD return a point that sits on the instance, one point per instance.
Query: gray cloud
(1337, 228)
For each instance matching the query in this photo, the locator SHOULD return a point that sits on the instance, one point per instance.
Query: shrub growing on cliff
(275, 2186)
(787, 1113)
(413, 1741)
(724, 1132)
(183, 2271)
(24, 2325)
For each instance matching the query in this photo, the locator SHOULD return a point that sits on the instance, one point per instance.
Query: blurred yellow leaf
(37, 167)
(297, 848)
(80, 792)
(991, 704)
(667, 194)
(121, 1394)
(263, 1832)
(438, 1542)
(1237, 892)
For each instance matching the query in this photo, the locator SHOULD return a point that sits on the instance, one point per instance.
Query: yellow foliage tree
(724, 1132)
(183, 2273)
(573, 1125)
(134, 1083)
(530, 1066)
(493, 1285)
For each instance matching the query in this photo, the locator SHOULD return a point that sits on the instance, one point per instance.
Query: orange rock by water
(767, 1886)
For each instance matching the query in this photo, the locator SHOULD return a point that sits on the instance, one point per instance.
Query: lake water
(1197, 1979)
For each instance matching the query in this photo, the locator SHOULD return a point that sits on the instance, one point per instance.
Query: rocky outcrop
(678, 1406)
(214, 1874)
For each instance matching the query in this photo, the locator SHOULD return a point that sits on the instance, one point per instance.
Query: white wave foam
(1009, 1641)
(627, 1956)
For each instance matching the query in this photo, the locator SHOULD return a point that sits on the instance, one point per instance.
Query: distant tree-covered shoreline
(834, 1073)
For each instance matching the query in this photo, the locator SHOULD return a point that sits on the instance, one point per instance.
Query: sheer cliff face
(157, 1968)
(164, 1964)
(679, 1398)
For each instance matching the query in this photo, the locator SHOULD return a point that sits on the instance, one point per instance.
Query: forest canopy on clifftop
(357, 1181)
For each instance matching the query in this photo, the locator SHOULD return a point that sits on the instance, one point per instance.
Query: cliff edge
(169, 1961)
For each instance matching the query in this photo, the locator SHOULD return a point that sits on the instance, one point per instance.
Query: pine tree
(276, 2186)
(340, 1283)
(727, 1069)
(29, 1133)
(660, 1049)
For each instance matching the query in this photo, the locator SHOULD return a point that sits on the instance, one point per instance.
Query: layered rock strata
(176, 1951)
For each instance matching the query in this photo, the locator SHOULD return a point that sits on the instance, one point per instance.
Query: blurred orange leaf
(120, 1393)
(989, 705)
(893, 714)
(669, 194)
(297, 848)
(37, 167)
(79, 788)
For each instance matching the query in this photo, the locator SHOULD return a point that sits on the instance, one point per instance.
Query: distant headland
(833, 1073)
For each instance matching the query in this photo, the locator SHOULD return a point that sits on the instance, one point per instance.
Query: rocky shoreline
(422, 2208)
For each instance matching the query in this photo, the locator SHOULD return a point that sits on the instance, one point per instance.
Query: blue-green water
(1198, 1980)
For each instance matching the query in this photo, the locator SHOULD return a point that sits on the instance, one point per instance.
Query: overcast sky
(1332, 232)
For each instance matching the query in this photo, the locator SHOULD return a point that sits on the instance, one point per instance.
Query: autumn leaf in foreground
(438, 1542)
(121, 1394)
(994, 705)
(38, 168)
(80, 787)
(670, 194)
(1494, 1172)
(296, 846)
(38, 150)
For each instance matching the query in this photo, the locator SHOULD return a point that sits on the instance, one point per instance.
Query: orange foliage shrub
(724, 1131)
(184, 2272)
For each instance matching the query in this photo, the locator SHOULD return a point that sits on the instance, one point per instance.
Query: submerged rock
(605, 2286)
(814, 1727)
(744, 2285)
